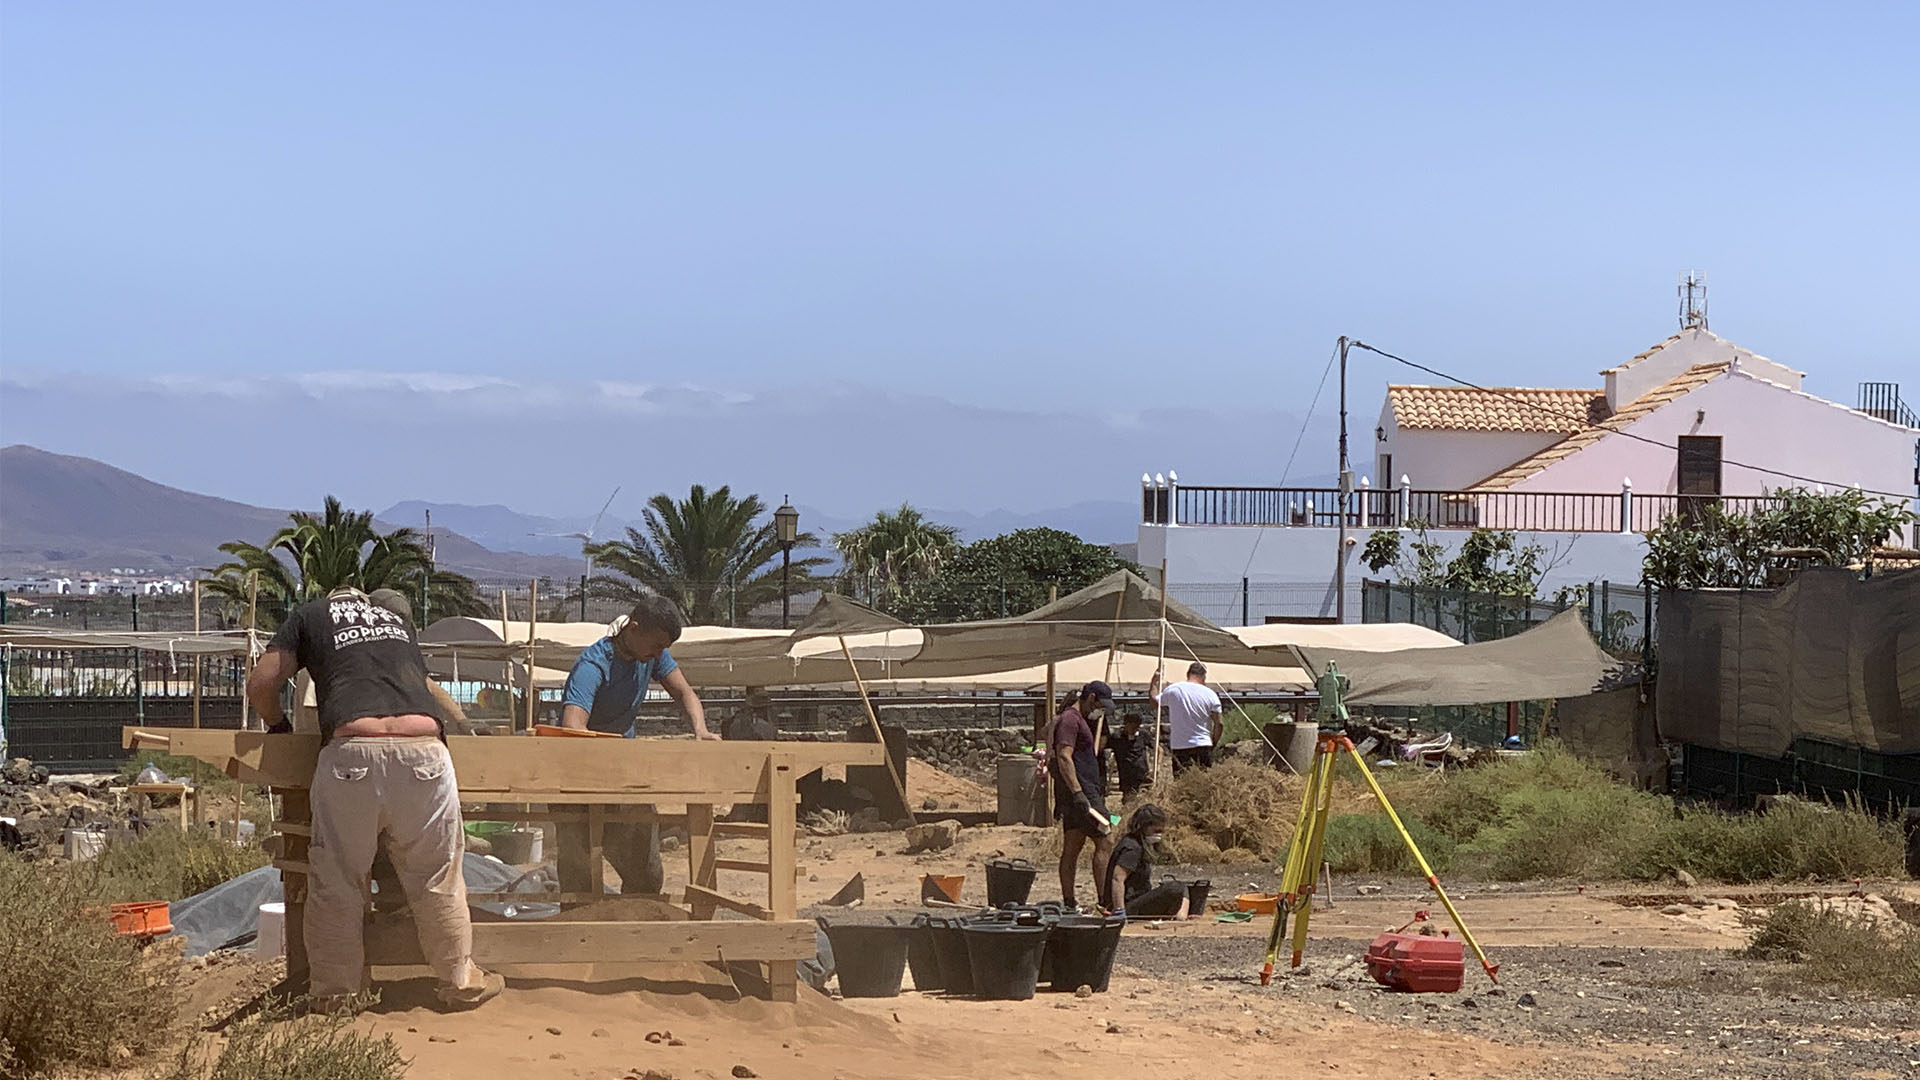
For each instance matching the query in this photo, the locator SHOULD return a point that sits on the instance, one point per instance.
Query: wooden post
(196, 656)
(1161, 670)
(1045, 715)
(873, 719)
(701, 871)
(296, 810)
(596, 849)
(239, 805)
(253, 607)
(533, 619)
(782, 807)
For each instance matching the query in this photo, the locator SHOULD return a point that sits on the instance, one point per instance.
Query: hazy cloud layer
(558, 447)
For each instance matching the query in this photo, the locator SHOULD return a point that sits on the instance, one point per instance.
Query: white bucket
(84, 844)
(270, 939)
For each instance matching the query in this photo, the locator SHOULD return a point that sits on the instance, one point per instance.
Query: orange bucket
(142, 920)
(942, 887)
(558, 732)
(1258, 903)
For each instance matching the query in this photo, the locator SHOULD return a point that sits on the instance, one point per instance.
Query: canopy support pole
(1160, 671)
(873, 720)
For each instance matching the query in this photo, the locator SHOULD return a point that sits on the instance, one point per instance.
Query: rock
(938, 836)
(659, 1036)
(1368, 890)
(743, 1072)
(929, 803)
(1674, 909)
(1526, 1000)
(1114, 1029)
(669, 843)
(1613, 963)
(866, 820)
(1345, 1006)
(553, 1031)
(479, 845)
(17, 771)
(1083, 991)
(1686, 880)
(441, 1038)
(602, 1033)
(1724, 904)
(1470, 1004)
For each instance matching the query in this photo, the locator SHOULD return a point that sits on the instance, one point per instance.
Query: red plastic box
(1417, 963)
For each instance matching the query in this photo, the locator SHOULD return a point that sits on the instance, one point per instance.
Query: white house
(1581, 471)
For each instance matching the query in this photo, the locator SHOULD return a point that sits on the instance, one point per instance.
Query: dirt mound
(947, 791)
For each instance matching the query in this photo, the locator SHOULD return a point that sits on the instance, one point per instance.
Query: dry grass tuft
(273, 1045)
(1836, 948)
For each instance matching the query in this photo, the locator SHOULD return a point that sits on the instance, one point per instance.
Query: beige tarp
(177, 642)
(1557, 659)
(1828, 657)
(1614, 729)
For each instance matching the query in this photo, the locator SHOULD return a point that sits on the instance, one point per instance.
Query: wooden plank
(612, 812)
(290, 829)
(701, 870)
(783, 807)
(740, 830)
(292, 866)
(749, 866)
(497, 768)
(697, 894)
(596, 851)
(296, 808)
(393, 942)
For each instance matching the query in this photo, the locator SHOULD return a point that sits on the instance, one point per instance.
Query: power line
(1288, 471)
(1581, 423)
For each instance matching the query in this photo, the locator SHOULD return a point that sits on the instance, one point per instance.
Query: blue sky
(1133, 230)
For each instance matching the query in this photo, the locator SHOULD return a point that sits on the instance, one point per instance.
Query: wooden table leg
(782, 813)
(701, 870)
(296, 809)
(596, 850)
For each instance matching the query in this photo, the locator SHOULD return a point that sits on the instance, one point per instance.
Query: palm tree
(895, 551)
(316, 554)
(711, 553)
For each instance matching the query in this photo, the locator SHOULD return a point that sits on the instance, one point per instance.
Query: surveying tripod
(1310, 833)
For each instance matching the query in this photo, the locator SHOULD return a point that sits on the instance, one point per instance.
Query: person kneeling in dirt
(1129, 885)
(1080, 787)
(383, 772)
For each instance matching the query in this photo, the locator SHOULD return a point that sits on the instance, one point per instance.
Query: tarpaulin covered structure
(1829, 657)
(1557, 659)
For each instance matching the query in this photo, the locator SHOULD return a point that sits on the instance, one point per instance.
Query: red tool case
(1418, 963)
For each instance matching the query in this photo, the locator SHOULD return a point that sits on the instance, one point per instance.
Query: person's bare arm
(450, 710)
(270, 673)
(573, 716)
(681, 691)
(1219, 726)
(1115, 894)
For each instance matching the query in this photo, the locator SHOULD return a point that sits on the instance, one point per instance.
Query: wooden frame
(611, 778)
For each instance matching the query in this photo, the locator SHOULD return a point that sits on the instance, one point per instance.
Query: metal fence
(1386, 508)
(1619, 616)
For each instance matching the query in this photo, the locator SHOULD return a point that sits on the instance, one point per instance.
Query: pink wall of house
(1760, 423)
(1443, 460)
(1693, 347)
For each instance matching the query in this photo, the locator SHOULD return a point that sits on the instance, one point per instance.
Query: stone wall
(968, 752)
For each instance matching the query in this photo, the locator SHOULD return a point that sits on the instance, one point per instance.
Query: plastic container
(1080, 951)
(1197, 897)
(1417, 963)
(942, 887)
(869, 960)
(1258, 903)
(84, 844)
(1009, 881)
(950, 948)
(923, 957)
(518, 847)
(149, 919)
(1005, 960)
(270, 935)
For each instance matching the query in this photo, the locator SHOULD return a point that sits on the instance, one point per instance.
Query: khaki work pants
(401, 789)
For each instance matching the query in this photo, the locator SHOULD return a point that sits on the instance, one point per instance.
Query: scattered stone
(1613, 963)
(1368, 890)
(1113, 1029)
(556, 1056)
(1724, 904)
(1686, 880)
(441, 1038)
(1345, 1006)
(1527, 1000)
(659, 1036)
(602, 1033)
(553, 1031)
(413, 1031)
(937, 836)
(929, 803)
(743, 1072)
(669, 843)
(1262, 1032)
(1083, 991)
(1470, 1004)
(676, 1042)
(1674, 909)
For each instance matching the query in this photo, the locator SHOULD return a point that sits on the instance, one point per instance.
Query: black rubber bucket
(922, 959)
(1197, 897)
(1080, 951)
(1009, 881)
(950, 950)
(1005, 960)
(869, 959)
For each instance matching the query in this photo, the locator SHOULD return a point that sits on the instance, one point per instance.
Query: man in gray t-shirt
(1193, 717)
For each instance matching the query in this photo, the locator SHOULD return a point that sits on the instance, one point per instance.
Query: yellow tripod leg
(1290, 874)
(1303, 904)
(1492, 968)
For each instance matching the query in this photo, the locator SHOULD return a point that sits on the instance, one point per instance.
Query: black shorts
(1160, 902)
(1064, 807)
(1201, 756)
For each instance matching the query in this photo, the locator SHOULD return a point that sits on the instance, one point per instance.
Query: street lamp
(786, 529)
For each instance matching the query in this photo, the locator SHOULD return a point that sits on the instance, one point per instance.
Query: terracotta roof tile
(1687, 381)
(1516, 409)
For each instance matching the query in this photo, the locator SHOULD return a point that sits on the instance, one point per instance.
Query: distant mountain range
(65, 514)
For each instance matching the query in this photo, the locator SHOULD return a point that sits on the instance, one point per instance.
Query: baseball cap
(1099, 690)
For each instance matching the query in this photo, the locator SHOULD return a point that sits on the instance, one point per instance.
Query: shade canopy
(1557, 659)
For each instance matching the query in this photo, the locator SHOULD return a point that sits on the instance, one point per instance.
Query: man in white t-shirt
(1193, 717)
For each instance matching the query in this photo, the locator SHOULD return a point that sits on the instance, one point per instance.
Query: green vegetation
(1835, 948)
(164, 864)
(713, 555)
(1715, 549)
(273, 1045)
(72, 992)
(319, 553)
(895, 552)
(1008, 575)
(1546, 814)
(1245, 722)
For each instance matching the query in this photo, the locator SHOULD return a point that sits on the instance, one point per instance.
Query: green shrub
(1839, 949)
(1367, 843)
(1244, 722)
(165, 863)
(273, 1046)
(72, 992)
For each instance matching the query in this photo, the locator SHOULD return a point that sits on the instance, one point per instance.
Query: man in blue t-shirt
(605, 690)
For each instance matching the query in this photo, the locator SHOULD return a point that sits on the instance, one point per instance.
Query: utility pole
(1346, 493)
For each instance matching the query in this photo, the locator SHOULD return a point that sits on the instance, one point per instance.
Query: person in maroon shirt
(1080, 787)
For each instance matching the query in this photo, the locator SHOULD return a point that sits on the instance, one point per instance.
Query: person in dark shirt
(383, 772)
(1133, 753)
(1129, 883)
(1080, 787)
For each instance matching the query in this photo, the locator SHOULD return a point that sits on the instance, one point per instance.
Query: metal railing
(1881, 400)
(1529, 511)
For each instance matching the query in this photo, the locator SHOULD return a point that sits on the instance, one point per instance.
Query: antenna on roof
(1693, 300)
